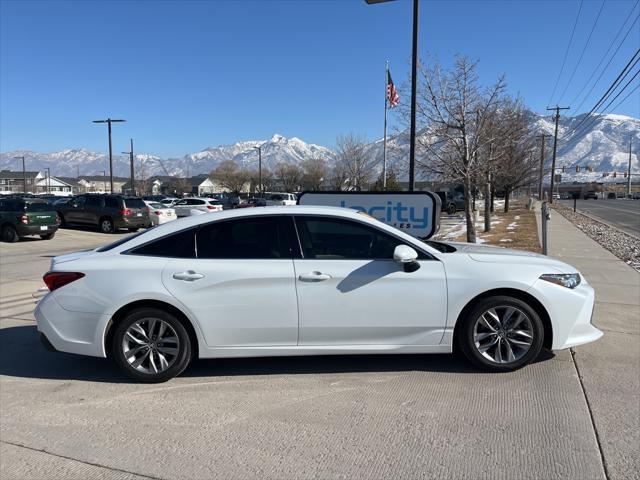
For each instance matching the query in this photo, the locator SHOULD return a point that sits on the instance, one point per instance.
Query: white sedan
(306, 281)
(184, 207)
(159, 213)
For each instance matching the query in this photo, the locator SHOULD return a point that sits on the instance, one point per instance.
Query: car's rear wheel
(501, 333)
(106, 225)
(451, 209)
(10, 234)
(151, 346)
(133, 230)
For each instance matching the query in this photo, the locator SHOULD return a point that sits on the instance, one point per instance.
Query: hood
(491, 254)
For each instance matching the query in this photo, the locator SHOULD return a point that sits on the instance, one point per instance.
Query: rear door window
(111, 202)
(177, 245)
(249, 238)
(95, 201)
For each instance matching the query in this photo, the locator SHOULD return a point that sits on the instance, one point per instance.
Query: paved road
(624, 214)
(409, 416)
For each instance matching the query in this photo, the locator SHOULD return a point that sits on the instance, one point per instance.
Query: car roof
(196, 220)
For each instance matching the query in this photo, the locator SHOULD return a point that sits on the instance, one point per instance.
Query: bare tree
(314, 171)
(353, 161)
(290, 175)
(338, 177)
(267, 179)
(453, 109)
(230, 176)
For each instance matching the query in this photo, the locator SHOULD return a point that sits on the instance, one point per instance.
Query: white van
(281, 199)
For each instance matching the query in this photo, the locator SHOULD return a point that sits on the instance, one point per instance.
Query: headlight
(569, 280)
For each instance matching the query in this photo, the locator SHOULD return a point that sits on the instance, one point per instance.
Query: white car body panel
(252, 308)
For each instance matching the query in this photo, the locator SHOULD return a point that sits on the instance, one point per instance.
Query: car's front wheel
(501, 333)
(151, 345)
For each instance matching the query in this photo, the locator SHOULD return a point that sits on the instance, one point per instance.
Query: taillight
(126, 211)
(158, 212)
(211, 207)
(55, 280)
(58, 221)
(23, 219)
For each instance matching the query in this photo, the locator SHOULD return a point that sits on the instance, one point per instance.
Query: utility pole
(24, 174)
(48, 169)
(629, 168)
(259, 148)
(414, 78)
(133, 180)
(104, 181)
(543, 137)
(109, 121)
(555, 147)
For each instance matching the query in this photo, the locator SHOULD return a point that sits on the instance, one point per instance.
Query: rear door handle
(313, 277)
(188, 276)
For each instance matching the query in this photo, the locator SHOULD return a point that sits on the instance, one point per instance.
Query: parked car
(22, 217)
(611, 195)
(159, 213)
(169, 201)
(635, 195)
(107, 212)
(590, 194)
(280, 199)
(305, 280)
(253, 202)
(565, 196)
(206, 205)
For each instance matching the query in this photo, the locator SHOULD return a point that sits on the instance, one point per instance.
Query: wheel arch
(123, 311)
(532, 301)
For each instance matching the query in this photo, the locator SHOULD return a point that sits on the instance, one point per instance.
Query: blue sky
(192, 74)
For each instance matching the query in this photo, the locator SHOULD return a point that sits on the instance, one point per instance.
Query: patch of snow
(512, 226)
(506, 240)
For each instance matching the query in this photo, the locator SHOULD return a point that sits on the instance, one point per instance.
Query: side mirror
(406, 256)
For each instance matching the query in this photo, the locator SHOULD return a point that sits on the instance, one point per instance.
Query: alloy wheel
(150, 345)
(503, 334)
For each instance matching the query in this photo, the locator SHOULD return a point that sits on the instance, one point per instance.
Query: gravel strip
(622, 245)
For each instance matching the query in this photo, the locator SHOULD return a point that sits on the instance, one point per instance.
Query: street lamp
(259, 148)
(104, 181)
(48, 169)
(414, 75)
(109, 121)
(24, 174)
(130, 153)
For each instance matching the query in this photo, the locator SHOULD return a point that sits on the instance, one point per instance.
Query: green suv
(21, 217)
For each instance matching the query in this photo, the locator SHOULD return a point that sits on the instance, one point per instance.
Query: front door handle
(313, 277)
(188, 276)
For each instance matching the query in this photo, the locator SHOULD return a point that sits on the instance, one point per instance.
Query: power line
(625, 71)
(584, 49)
(566, 53)
(625, 97)
(593, 120)
(606, 66)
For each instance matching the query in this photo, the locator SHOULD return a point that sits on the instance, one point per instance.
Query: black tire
(10, 234)
(133, 230)
(177, 365)
(48, 236)
(468, 346)
(62, 221)
(106, 225)
(451, 209)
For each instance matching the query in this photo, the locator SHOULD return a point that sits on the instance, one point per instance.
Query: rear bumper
(135, 222)
(24, 230)
(71, 332)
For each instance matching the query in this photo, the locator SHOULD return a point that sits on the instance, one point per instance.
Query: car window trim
(332, 217)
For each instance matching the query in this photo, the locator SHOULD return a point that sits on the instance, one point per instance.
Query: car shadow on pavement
(22, 355)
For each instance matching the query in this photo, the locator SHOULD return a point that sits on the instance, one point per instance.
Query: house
(54, 186)
(19, 182)
(100, 184)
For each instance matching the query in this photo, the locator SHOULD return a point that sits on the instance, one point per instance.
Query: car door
(241, 286)
(93, 209)
(74, 210)
(351, 292)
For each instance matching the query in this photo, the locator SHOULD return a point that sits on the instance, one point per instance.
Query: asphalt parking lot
(410, 416)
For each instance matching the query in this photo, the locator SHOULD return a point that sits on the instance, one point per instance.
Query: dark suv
(20, 217)
(107, 212)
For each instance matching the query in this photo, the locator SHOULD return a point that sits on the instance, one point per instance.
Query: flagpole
(384, 144)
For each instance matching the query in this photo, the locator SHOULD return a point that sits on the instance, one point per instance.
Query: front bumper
(570, 312)
(71, 332)
(24, 230)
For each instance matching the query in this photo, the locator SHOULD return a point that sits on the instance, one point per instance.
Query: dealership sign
(416, 213)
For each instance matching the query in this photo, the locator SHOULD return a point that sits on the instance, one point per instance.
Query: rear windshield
(134, 203)
(38, 207)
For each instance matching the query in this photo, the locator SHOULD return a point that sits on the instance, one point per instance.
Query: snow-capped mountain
(604, 146)
(67, 162)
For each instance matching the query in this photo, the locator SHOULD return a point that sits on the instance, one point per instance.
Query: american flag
(392, 93)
